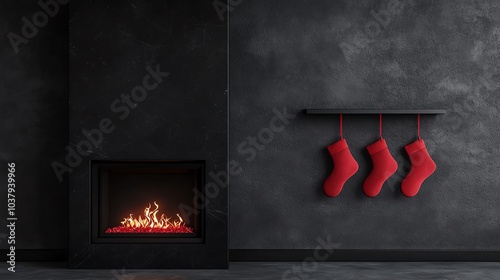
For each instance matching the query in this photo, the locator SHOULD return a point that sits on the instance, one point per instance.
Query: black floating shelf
(372, 112)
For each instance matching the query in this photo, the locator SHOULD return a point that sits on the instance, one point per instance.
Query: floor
(340, 270)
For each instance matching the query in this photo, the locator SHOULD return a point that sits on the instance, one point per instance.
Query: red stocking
(384, 166)
(344, 166)
(422, 166)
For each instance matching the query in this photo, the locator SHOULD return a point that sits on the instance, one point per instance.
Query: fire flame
(151, 224)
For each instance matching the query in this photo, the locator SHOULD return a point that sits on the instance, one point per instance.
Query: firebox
(148, 214)
(147, 202)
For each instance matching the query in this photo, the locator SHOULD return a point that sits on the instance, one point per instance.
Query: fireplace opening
(146, 201)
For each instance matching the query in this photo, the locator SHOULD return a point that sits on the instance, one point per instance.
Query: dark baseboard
(299, 255)
(344, 255)
(24, 255)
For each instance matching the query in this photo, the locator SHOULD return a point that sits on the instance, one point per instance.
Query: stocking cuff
(415, 146)
(376, 147)
(337, 146)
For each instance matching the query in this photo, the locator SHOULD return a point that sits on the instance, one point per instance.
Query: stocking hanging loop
(340, 117)
(380, 126)
(418, 126)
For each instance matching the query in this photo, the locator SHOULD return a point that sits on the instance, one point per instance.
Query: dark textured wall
(183, 118)
(431, 54)
(34, 122)
(434, 54)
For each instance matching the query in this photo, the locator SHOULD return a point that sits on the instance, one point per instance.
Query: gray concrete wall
(430, 54)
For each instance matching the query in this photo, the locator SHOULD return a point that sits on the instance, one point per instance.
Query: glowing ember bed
(151, 223)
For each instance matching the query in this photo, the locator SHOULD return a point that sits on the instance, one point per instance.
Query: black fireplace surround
(119, 189)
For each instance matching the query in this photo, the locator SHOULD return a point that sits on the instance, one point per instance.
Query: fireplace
(147, 214)
(147, 202)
